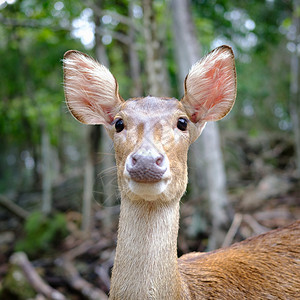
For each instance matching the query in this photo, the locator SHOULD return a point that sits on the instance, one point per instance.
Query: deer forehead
(150, 119)
(151, 113)
(152, 107)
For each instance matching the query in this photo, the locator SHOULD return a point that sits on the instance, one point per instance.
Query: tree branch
(20, 259)
(13, 208)
(78, 283)
(118, 17)
(30, 24)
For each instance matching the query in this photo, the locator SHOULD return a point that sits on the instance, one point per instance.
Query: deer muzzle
(146, 166)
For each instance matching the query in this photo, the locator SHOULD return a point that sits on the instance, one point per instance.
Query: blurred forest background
(59, 201)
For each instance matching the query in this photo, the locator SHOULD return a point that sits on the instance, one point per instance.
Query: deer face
(151, 135)
(151, 138)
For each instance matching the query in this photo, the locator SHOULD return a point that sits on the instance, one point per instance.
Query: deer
(151, 137)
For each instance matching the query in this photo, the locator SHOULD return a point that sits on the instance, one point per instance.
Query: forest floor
(66, 263)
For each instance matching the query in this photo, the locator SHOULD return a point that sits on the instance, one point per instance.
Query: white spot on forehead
(152, 105)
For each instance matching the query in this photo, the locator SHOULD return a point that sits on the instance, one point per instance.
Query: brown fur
(263, 267)
(146, 264)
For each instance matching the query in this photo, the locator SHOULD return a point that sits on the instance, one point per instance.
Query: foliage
(34, 37)
(256, 32)
(15, 286)
(42, 233)
(37, 34)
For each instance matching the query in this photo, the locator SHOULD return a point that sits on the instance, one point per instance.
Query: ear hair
(210, 86)
(91, 91)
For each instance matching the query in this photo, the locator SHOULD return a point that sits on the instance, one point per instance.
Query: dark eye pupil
(119, 125)
(182, 124)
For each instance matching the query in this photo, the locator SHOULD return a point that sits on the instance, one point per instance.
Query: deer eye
(182, 124)
(119, 125)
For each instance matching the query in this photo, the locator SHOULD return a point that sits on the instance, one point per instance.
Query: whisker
(108, 171)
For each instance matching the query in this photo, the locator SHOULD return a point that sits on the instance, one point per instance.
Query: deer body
(151, 138)
(263, 267)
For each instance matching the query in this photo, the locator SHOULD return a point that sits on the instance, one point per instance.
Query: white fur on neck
(146, 257)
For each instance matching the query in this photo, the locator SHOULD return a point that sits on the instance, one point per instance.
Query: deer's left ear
(210, 86)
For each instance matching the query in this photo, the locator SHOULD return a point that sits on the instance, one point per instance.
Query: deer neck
(146, 256)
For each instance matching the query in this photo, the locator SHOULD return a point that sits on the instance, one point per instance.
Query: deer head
(151, 135)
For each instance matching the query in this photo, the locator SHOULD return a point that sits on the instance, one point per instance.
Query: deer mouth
(148, 189)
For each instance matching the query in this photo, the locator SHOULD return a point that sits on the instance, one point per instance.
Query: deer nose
(146, 166)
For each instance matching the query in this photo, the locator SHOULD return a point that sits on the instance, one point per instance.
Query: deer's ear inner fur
(210, 86)
(91, 91)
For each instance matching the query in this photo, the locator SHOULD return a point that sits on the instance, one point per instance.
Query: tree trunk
(206, 153)
(137, 88)
(89, 178)
(156, 69)
(294, 86)
(61, 144)
(47, 173)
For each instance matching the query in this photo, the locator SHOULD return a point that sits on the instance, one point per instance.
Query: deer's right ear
(91, 91)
